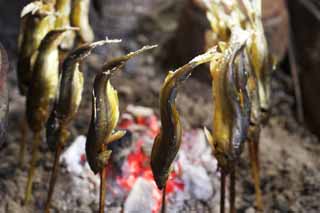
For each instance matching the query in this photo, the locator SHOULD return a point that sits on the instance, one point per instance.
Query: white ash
(140, 197)
(194, 160)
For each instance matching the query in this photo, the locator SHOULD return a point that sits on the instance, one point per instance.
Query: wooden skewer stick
(253, 152)
(163, 208)
(103, 185)
(55, 168)
(222, 191)
(233, 190)
(23, 141)
(34, 157)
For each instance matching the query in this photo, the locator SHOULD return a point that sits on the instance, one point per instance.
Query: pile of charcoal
(130, 180)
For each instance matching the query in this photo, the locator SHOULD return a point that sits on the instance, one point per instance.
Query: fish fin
(208, 135)
(31, 8)
(116, 136)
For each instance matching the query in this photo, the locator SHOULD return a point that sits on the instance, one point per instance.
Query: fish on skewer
(42, 92)
(255, 60)
(104, 119)
(167, 143)
(66, 105)
(37, 19)
(232, 108)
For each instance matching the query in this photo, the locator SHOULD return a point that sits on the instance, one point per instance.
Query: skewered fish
(37, 19)
(167, 143)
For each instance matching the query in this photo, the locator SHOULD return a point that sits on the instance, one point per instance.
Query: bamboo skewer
(34, 158)
(55, 168)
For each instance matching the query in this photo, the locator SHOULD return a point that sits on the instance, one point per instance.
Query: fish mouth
(160, 177)
(160, 182)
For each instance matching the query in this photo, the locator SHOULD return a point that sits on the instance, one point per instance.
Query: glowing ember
(130, 180)
(138, 163)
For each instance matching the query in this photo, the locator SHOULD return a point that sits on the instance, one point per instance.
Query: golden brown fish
(66, 106)
(105, 113)
(70, 91)
(41, 93)
(80, 18)
(105, 116)
(232, 108)
(44, 85)
(37, 19)
(258, 52)
(231, 103)
(63, 9)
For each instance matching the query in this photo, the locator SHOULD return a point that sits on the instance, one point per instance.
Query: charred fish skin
(231, 114)
(44, 85)
(38, 19)
(168, 141)
(105, 114)
(80, 18)
(237, 82)
(169, 138)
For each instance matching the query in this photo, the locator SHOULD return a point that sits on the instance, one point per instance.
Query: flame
(138, 163)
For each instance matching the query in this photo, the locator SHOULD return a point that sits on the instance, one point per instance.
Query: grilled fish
(37, 19)
(70, 91)
(44, 85)
(231, 113)
(105, 113)
(167, 143)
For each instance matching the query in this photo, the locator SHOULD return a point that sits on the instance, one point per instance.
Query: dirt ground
(288, 151)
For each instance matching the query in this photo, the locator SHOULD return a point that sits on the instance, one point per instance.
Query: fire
(138, 163)
(189, 176)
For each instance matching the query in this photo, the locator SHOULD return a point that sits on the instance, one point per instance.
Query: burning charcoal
(3, 95)
(139, 197)
(120, 150)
